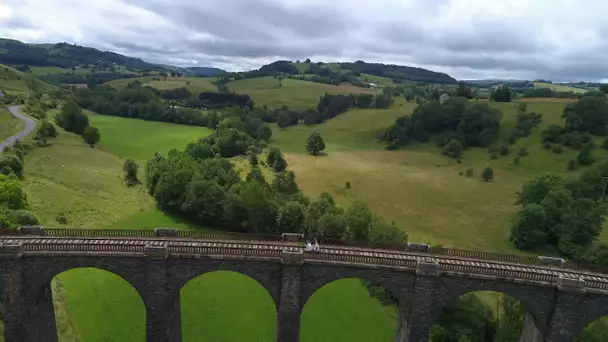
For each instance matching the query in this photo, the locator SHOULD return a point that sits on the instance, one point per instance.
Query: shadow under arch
(98, 305)
(344, 310)
(484, 315)
(226, 305)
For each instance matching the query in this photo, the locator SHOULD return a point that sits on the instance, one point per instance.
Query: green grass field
(293, 93)
(194, 84)
(416, 187)
(13, 81)
(139, 139)
(558, 87)
(9, 125)
(43, 71)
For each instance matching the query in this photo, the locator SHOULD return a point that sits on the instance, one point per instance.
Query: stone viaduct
(560, 300)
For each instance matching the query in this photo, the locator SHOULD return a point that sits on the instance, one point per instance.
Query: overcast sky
(554, 39)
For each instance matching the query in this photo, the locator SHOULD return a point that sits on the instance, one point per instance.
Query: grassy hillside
(9, 125)
(45, 70)
(13, 81)
(416, 187)
(293, 93)
(559, 87)
(86, 184)
(131, 138)
(194, 84)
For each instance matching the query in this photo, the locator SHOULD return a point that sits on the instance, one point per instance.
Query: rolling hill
(347, 72)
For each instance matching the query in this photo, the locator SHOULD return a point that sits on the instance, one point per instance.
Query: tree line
(206, 189)
(456, 122)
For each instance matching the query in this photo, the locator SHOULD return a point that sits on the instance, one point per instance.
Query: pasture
(94, 305)
(559, 87)
(13, 81)
(296, 94)
(416, 187)
(131, 138)
(50, 70)
(194, 84)
(9, 125)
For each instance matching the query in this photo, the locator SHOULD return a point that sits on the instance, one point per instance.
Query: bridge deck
(182, 247)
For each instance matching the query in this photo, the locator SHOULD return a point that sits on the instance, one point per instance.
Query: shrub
(558, 149)
(504, 149)
(459, 161)
(494, 156)
(487, 174)
(523, 152)
(516, 161)
(61, 218)
(605, 144)
(11, 162)
(24, 218)
(348, 185)
(572, 165)
(469, 172)
(548, 145)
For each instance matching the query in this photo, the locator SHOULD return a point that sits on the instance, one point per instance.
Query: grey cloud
(460, 37)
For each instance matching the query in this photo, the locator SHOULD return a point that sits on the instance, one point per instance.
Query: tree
(535, 190)
(487, 174)
(291, 217)
(46, 130)
(12, 195)
(315, 143)
(32, 84)
(272, 155)
(256, 175)
(285, 183)
(11, 163)
(91, 136)
(279, 164)
(528, 230)
(253, 159)
(588, 114)
(283, 120)
(72, 118)
(465, 318)
(130, 169)
(453, 149)
(309, 120)
(464, 91)
(204, 201)
(584, 156)
(502, 93)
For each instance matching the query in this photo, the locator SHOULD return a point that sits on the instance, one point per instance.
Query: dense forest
(65, 55)
(348, 72)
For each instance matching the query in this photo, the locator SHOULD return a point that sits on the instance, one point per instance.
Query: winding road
(30, 125)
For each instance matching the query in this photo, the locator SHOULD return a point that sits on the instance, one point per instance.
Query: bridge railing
(499, 272)
(67, 247)
(404, 247)
(362, 259)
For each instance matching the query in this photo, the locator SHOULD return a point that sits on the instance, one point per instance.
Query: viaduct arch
(560, 303)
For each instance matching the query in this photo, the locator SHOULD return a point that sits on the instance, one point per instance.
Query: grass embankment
(293, 93)
(9, 125)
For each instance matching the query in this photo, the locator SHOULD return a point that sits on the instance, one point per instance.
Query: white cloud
(559, 39)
